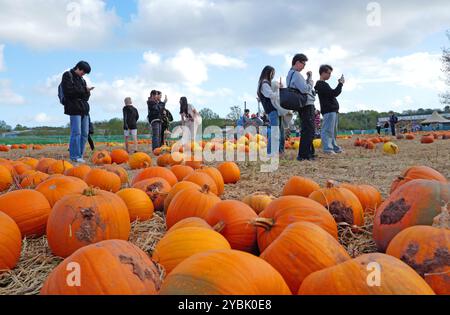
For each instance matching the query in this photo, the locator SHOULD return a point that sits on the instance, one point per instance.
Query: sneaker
(330, 152)
(80, 160)
(339, 152)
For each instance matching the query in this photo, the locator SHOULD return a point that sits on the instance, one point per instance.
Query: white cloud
(8, 96)
(2, 58)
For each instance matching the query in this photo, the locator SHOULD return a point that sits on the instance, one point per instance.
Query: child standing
(130, 118)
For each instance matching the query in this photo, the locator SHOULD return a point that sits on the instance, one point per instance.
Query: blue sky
(213, 52)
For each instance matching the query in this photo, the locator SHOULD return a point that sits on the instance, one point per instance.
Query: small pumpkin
(390, 148)
(258, 201)
(6, 179)
(78, 171)
(56, 188)
(101, 157)
(139, 204)
(119, 171)
(32, 180)
(103, 179)
(157, 189)
(10, 243)
(139, 160)
(427, 139)
(181, 171)
(300, 186)
(119, 156)
(417, 172)
(155, 171)
(203, 179)
(59, 167)
(230, 172)
(44, 164)
(175, 190)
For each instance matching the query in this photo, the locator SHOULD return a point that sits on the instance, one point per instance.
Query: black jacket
(130, 117)
(327, 97)
(155, 110)
(76, 94)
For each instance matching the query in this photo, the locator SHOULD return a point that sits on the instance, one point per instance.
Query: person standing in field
(155, 112)
(130, 119)
(393, 120)
(190, 118)
(74, 94)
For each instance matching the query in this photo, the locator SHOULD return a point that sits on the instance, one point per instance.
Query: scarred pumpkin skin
(79, 220)
(157, 189)
(417, 202)
(101, 157)
(112, 267)
(353, 278)
(224, 272)
(181, 244)
(302, 249)
(10, 243)
(426, 249)
(289, 209)
(417, 172)
(190, 222)
(300, 186)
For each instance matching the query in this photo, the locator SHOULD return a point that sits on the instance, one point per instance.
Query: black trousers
(393, 130)
(308, 130)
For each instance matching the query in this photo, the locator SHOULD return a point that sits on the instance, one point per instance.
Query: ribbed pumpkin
(78, 171)
(101, 157)
(303, 248)
(417, 202)
(156, 171)
(112, 267)
(341, 202)
(427, 139)
(119, 171)
(20, 168)
(300, 186)
(192, 222)
(119, 156)
(369, 197)
(139, 160)
(60, 167)
(230, 172)
(417, 172)
(29, 209)
(55, 189)
(140, 206)
(224, 272)
(289, 209)
(180, 244)
(44, 164)
(258, 201)
(103, 179)
(175, 190)
(10, 243)
(33, 179)
(191, 202)
(232, 219)
(351, 278)
(426, 249)
(6, 179)
(216, 176)
(181, 171)
(78, 220)
(203, 179)
(170, 159)
(157, 189)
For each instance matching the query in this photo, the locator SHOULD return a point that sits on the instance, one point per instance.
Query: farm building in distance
(414, 123)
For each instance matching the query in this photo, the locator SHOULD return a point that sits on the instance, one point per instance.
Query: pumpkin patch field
(373, 220)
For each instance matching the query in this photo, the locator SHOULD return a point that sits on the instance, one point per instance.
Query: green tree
(208, 114)
(445, 97)
(4, 127)
(235, 114)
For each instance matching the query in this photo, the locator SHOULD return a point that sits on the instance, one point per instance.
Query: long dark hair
(266, 75)
(183, 105)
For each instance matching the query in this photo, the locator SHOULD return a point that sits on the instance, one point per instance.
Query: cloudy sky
(212, 51)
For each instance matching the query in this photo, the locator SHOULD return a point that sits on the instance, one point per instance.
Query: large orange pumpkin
(216, 176)
(258, 201)
(426, 249)
(192, 222)
(56, 188)
(139, 204)
(417, 172)
(156, 171)
(289, 209)
(157, 189)
(6, 179)
(417, 202)
(139, 160)
(300, 186)
(203, 179)
(10, 242)
(191, 202)
(341, 202)
(359, 277)
(29, 209)
(369, 197)
(181, 171)
(59, 167)
(119, 171)
(32, 180)
(103, 179)
(180, 244)
(101, 157)
(302, 249)
(44, 164)
(230, 172)
(175, 190)
(78, 220)
(119, 156)
(112, 267)
(78, 171)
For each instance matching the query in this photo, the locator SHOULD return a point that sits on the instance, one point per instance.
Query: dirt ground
(355, 165)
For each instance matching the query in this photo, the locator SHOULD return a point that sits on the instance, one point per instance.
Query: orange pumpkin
(103, 179)
(56, 188)
(175, 190)
(231, 219)
(119, 171)
(181, 171)
(10, 243)
(417, 202)
(112, 267)
(289, 209)
(156, 171)
(29, 209)
(300, 186)
(157, 189)
(410, 137)
(32, 180)
(216, 176)
(139, 204)
(82, 219)
(203, 179)
(230, 172)
(258, 201)
(21, 168)
(101, 157)
(427, 139)
(30, 161)
(303, 248)
(353, 277)
(192, 222)
(44, 164)
(78, 171)
(417, 172)
(170, 159)
(425, 249)
(139, 160)
(59, 167)
(341, 202)
(6, 179)
(119, 156)
(369, 197)
(230, 272)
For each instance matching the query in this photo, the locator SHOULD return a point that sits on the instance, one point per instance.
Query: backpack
(61, 92)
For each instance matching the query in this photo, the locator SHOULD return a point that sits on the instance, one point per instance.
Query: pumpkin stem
(265, 223)
(89, 192)
(219, 227)
(332, 183)
(443, 219)
(205, 189)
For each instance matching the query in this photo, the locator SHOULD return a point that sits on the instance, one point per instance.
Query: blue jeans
(278, 133)
(79, 131)
(156, 134)
(329, 132)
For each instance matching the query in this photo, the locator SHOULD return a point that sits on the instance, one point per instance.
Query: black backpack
(61, 92)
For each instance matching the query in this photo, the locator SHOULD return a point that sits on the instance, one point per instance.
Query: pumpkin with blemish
(10, 242)
(359, 277)
(300, 186)
(157, 189)
(190, 222)
(341, 202)
(56, 188)
(302, 249)
(417, 172)
(112, 267)
(289, 209)
(79, 220)
(155, 171)
(426, 249)
(417, 202)
(101, 157)
(224, 272)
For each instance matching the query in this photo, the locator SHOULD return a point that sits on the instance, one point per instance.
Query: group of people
(391, 123)
(268, 94)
